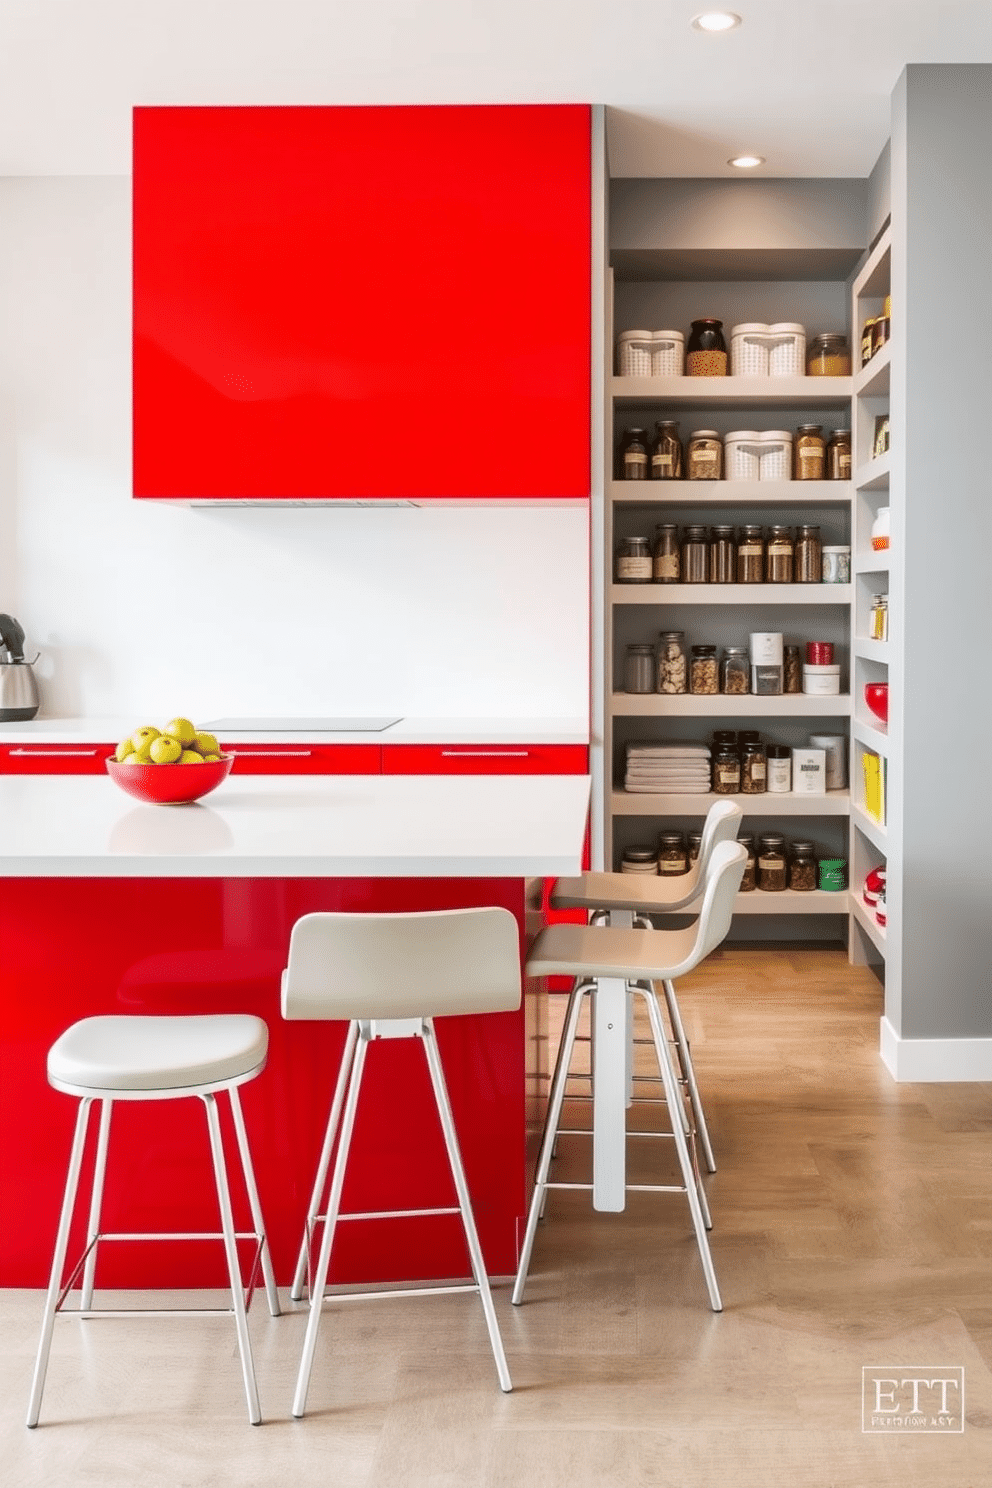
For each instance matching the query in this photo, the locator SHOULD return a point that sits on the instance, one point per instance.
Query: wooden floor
(852, 1229)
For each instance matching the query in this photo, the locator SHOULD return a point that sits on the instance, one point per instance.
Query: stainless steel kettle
(18, 687)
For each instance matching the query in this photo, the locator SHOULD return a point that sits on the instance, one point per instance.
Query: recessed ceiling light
(747, 162)
(716, 20)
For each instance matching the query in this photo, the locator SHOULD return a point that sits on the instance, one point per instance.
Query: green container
(833, 874)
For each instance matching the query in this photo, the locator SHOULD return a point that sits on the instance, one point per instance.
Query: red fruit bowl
(877, 698)
(170, 785)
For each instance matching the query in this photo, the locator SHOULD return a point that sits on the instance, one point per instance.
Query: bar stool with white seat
(390, 976)
(150, 1058)
(612, 966)
(628, 899)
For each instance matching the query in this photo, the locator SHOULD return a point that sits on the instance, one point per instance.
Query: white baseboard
(923, 1061)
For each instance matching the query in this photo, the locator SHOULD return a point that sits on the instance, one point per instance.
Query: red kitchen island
(109, 906)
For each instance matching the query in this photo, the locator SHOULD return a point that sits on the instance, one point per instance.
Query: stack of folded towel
(676, 769)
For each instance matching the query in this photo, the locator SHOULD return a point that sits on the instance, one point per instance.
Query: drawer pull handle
(54, 753)
(269, 753)
(484, 753)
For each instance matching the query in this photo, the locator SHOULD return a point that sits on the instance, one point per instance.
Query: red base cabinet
(362, 302)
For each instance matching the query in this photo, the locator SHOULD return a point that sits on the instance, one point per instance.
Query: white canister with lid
(634, 353)
(786, 349)
(836, 561)
(880, 530)
(775, 454)
(749, 350)
(740, 455)
(821, 681)
(767, 652)
(667, 354)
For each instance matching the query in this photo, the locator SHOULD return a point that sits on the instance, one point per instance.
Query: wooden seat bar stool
(390, 976)
(629, 899)
(148, 1058)
(612, 966)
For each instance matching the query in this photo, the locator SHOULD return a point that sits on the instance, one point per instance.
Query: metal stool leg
(231, 1251)
(429, 1040)
(96, 1203)
(354, 1074)
(333, 1122)
(58, 1261)
(689, 1075)
(251, 1187)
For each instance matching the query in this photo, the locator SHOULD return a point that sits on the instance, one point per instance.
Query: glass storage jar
(779, 556)
(809, 453)
(726, 770)
(704, 671)
(828, 355)
(634, 562)
(802, 866)
(809, 555)
(639, 669)
(746, 841)
(792, 669)
(704, 456)
(839, 455)
(672, 674)
(753, 770)
(634, 458)
(723, 555)
(735, 671)
(693, 842)
(706, 349)
(672, 855)
(771, 862)
(667, 554)
(751, 556)
(639, 859)
(878, 618)
(694, 556)
(666, 451)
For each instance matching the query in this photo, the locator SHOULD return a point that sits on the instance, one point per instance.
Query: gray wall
(942, 292)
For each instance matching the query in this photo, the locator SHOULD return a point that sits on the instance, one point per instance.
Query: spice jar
(751, 556)
(771, 862)
(672, 855)
(778, 769)
(878, 618)
(706, 349)
(704, 458)
(735, 671)
(639, 669)
(693, 842)
(839, 455)
(808, 453)
(667, 554)
(792, 669)
(723, 555)
(753, 774)
(640, 859)
(802, 867)
(634, 455)
(879, 333)
(704, 672)
(828, 356)
(867, 339)
(694, 556)
(666, 451)
(634, 563)
(779, 556)
(746, 841)
(671, 662)
(809, 555)
(726, 770)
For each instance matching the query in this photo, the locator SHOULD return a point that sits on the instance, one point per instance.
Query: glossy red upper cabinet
(362, 303)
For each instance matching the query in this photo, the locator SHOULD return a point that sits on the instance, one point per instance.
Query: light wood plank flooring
(852, 1227)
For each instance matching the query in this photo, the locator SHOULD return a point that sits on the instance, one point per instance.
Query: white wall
(148, 608)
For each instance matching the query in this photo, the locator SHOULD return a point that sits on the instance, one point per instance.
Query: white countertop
(406, 731)
(354, 826)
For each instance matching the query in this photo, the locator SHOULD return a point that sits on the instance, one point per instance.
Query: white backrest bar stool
(149, 1058)
(390, 976)
(613, 965)
(625, 899)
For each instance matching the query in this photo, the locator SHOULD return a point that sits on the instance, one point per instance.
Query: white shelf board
(871, 650)
(874, 475)
(872, 380)
(746, 705)
(731, 594)
(792, 901)
(868, 922)
(873, 280)
(724, 492)
(749, 392)
(868, 827)
(632, 803)
(868, 563)
(873, 735)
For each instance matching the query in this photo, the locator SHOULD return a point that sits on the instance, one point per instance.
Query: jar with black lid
(747, 736)
(634, 562)
(672, 855)
(634, 457)
(751, 556)
(778, 769)
(694, 556)
(706, 349)
(735, 671)
(779, 556)
(639, 859)
(726, 770)
(693, 842)
(809, 555)
(753, 762)
(667, 554)
(746, 841)
(704, 671)
(771, 862)
(802, 866)
(666, 451)
(723, 555)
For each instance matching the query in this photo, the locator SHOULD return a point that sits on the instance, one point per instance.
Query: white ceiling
(805, 84)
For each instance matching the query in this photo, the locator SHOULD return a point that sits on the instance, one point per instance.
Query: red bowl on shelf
(170, 785)
(877, 698)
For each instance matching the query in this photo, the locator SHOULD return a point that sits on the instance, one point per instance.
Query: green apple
(181, 729)
(190, 757)
(129, 759)
(143, 736)
(206, 744)
(164, 750)
(211, 759)
(124, 748)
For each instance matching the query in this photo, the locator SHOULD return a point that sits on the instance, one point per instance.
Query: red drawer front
(304, 759)
(484, 759)
(54, 759)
